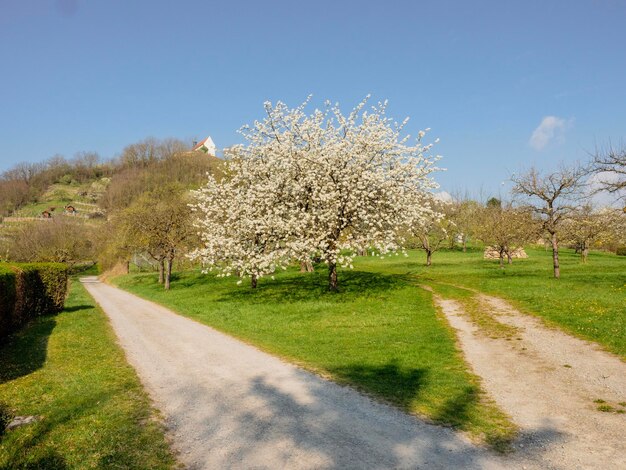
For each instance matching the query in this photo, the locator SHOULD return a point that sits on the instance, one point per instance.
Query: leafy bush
(30, 290)
(5, 418)
(621, 251)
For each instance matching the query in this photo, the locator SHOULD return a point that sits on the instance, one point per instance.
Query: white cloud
(551, 128)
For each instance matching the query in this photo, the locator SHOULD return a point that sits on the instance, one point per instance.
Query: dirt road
(551, 384)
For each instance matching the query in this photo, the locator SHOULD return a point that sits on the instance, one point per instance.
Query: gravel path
(547, 382)
(229, 405)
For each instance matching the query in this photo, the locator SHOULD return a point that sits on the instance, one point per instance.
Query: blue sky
(503, 84)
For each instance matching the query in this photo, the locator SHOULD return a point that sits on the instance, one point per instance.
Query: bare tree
(553, 197)
(159, 223)
(505, 228)
(434, 229)
(464, 214)
(586, 227)
(59, 240)
(610, 167)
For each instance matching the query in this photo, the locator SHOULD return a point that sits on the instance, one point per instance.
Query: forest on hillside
(68, 209)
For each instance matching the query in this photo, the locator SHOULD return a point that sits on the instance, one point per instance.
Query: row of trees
(506, 227)
(555, 205)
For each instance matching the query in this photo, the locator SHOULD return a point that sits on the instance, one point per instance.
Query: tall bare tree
(610, 166)
(553, 197)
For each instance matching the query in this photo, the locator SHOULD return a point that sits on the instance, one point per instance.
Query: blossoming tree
(325, 184)
(240, 222)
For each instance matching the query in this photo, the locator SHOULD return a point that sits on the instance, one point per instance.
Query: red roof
(199, 144)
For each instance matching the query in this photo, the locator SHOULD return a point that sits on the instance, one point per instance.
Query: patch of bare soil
(563, 392)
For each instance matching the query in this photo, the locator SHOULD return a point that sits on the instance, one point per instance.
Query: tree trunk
(584, 252)
(332, 276)
(306, 266)
(168, 272)
(429, 257)
(464, 244)
(555, 256)
(509, 257)
(501, 259)
(161, 270)
(253, 281)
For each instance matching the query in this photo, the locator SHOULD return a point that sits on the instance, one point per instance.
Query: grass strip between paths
(68, 370)
(589, 301)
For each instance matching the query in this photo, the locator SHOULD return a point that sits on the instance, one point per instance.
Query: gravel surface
(229, 405)
(547, 381)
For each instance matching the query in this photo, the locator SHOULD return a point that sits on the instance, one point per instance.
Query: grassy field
(381, 335)
(589, 300)
(68, 370)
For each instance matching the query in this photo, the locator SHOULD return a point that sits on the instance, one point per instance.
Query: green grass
(35, 209)
(58, 195)
(588, 301)
(380, 334)
(69, 370)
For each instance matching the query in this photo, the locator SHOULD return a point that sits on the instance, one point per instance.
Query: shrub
(7, 298)
(28, 291)
(621, 251)
(5, 418)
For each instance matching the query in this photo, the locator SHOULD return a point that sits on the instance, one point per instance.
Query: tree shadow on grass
(455, 410)
(297, 287)
(51, 461)
(397, 385)
(76, 308)
(26, 351)
(36, 442)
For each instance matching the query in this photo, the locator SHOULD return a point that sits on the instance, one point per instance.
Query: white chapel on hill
(207, 146)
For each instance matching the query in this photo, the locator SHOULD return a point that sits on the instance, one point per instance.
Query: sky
(502, 84)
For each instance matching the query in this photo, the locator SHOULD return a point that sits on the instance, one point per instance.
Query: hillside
(83, 197)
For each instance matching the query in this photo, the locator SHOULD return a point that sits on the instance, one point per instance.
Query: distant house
(206, 146)
(71, 210)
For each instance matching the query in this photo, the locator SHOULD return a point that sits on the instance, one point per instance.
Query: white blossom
(323, 184)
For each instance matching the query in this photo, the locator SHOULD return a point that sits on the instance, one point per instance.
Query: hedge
(28, 291)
